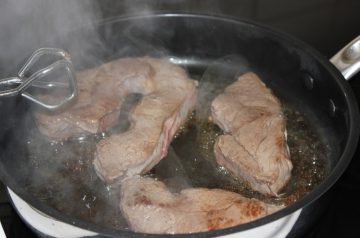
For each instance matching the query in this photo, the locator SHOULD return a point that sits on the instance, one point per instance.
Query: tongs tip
(62, 62)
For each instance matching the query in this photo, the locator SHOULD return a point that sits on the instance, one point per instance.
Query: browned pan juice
(308, 154)
(64, 177)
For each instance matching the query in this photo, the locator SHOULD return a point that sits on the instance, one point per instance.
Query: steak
(150, 207)
(154, 122)
(101, 92)
(254, 145)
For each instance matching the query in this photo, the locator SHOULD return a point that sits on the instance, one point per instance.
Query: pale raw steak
(101, 92)
(150, 207)
(154, 122)
(254, 146)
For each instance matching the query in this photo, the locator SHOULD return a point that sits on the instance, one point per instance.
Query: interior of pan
(214, 51)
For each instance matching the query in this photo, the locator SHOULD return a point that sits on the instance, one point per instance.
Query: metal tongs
(61, 66)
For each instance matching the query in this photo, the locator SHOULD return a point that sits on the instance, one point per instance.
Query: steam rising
(60, 169)
(56, 173)
(27, 25)
(61, 173)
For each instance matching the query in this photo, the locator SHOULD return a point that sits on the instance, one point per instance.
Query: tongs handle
(33, 80)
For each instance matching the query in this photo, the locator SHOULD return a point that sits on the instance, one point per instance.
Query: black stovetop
(327, 25)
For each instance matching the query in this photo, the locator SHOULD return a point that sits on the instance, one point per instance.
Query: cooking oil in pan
(195, 145)
(64, 178)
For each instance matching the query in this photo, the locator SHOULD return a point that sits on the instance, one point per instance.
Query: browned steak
(254, 145)
(150, 207)
(102, 91)
(154, 122)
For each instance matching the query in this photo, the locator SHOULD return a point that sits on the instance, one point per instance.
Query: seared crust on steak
(150, 207)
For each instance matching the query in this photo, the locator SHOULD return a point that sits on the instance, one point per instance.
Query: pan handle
(347, 60)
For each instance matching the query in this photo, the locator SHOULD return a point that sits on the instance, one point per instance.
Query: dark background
(326, 25)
